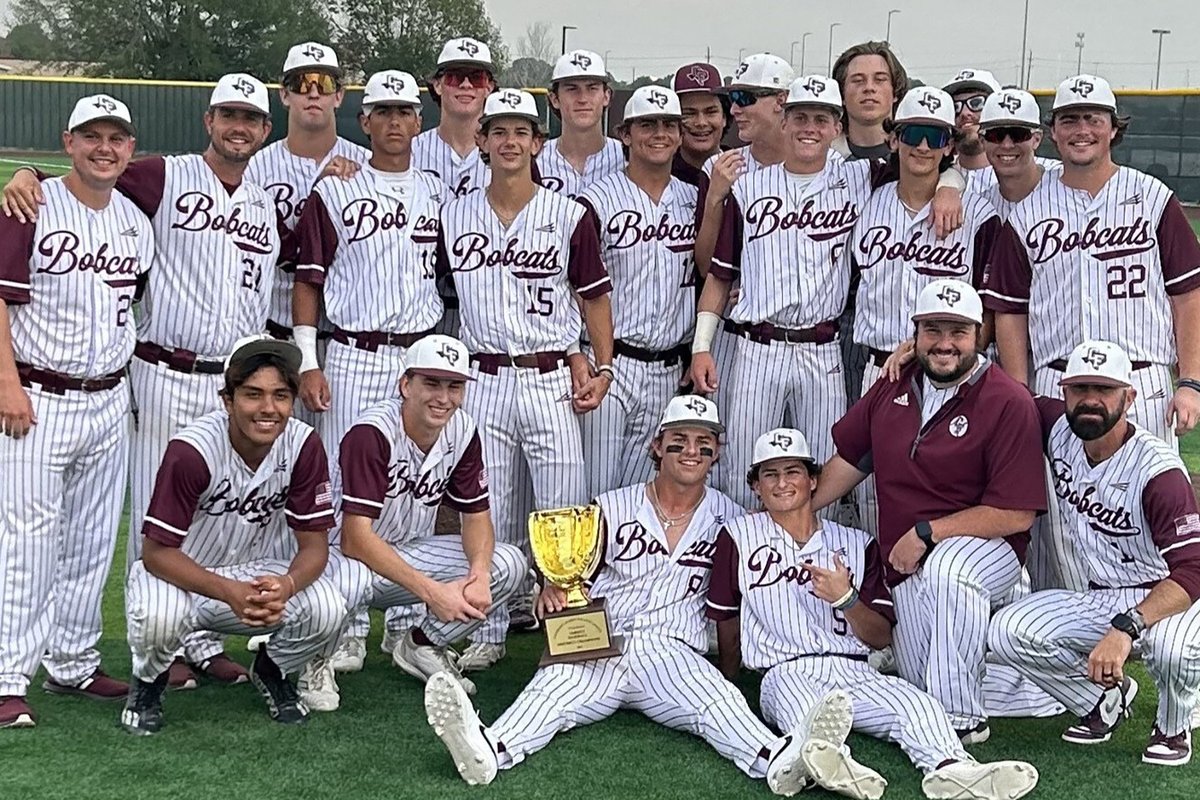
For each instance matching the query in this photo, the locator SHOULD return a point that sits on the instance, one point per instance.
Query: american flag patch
(324, 493)
(483, 478)
(1187, 524)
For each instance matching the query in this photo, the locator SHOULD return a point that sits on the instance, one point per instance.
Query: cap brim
(715, 427)
(947, 316)
(941, 123)
(369, 104)
(439, 374)
(289, 352)
(527, 117)
(808, 460)
(334, 71)
(698, 90)
(466, 62)
(816, 103)
(663, 115)
(242, 106)
(1082, 104)
(1010, 123)
(1092, 380)
(953, 88)
(750, 87)
(124, 123)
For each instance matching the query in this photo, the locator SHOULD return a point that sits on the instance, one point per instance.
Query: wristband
(306, 340)
(574, 349)
(952, 179)
(1189, 383)
(706, 330)
(848, 600)
(292, 580)
(925, 533)
(606, 369)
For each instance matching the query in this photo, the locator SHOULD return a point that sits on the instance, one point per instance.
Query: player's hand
(898, 360)
(726, 170)
(830, 585)
(241, 597)
(1106, 664)
(704, 373)
(479, 593)
(551, 600)
(270, 599)
(735, 292)
(591, 393)
(314, 390)
(947, 211)
(581, 370)
(1183, 412)
(16, 409)
(340, 167)
(907, 554)
(448, 601)
(22, 196)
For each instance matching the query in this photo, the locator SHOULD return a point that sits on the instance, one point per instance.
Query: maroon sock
(420, 639)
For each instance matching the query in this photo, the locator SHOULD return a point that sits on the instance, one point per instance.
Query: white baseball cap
(465, 52)
(391, 87)
(979, 79)
(239, 90)
(653, 102)
(510, 103)
(762, 71)
(949, 298)
(439, 356)
(1085, 90)
(100, 107)
(1098, 363)
(781, 443)
(579, 64)
(816, 90)
(926, 105)
(690, 411)
(1010, 107)
(311, 55)
(258, 343)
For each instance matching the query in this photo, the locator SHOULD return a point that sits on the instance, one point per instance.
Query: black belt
(851, 656)
(878, 357)
(60, 383)
(543, 362)
(667, 358)
(1060, 364)
(1147, 585)
(373, 340)
(284, 333)
(765, 332)
(178, 359)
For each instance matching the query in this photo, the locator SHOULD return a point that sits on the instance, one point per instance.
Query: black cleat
(283, 701)
(143, 714)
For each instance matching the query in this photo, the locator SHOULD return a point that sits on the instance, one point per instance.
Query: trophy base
(579, 634)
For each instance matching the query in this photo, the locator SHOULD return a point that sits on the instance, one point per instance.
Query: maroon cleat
(180, 676)
(1168, 751)
(222, 669)
(96, 686)
(16, 713)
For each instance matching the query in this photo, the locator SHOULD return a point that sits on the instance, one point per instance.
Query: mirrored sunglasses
(936, 136)
(304, 82)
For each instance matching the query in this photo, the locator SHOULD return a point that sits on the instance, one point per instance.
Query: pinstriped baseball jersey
(983, 181)
(516, 286)
(761, 574)
(784, 242)
(1096, 268)
(209, 502)
(647, 587)
(1133, 516)
(556, 173)
(371, 245)
(462, 174)
(896, 256)
(69, 280)
(648, 251)
(991, 190)
(752, 165)
(288, 179)
(388, 478)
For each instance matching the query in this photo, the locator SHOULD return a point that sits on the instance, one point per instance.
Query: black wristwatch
(925, 534)
(1131, 623)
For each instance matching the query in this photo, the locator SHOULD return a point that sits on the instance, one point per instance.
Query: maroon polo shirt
(983, 447)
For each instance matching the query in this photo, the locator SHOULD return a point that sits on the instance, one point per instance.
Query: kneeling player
(809, 599)
(230, 485)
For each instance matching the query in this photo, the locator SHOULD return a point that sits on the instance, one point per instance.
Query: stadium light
(1160, 32)
(831, 27)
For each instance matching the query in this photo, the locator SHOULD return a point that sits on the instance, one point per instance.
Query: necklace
(667, 521)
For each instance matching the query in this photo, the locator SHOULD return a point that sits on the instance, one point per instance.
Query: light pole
(1160, 32)
(888, 37)
(831, 27)
(740, 51)
(792, 57)
(803, 49)
(606, 52)
(1024, 76)
(1079, 58)
(566, 28)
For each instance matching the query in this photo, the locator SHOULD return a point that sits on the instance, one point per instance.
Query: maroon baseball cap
(697, 77)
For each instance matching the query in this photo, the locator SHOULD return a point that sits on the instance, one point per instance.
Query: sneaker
(223, 669)
(143, 714)
(390, 640)
(425, 661)
(480, 655)
(317, 685)
(283, 701)
(521, 616)
(884, 661)
(831, 718)
(16, 713)
(977, 735)
(350, 654)
(1168, 751)
(1111, 710)
(96, 686)
(455, 722)
(180, 676)
(786, 773)
(1195, 723)
(255, 642)
(834, 769)
(970, 780)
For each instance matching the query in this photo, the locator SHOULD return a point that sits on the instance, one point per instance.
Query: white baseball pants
(724, 353)
(864, 494)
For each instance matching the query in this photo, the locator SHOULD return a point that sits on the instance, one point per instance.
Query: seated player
(230, 485)
(658, 544)
(809, 600)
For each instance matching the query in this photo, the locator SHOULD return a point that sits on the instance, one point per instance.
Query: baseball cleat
(222, 669)
(96, 686)
(16, 713)
(786, 774)
(831, 718)
(455, 722)
(317, 685)
(833, 768)
(1195, 723)
(390, 640)
(1168, 751)
(425, 661)
(283, 701)
(255, 642)
(143, 714)
(1111, 710)
(970, 780)
(480, 655)
(977, 735)
(350, 654)
(884, 661)
(180, 676)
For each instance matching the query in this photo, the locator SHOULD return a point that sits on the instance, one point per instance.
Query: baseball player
(969, 90)
(403, 458)
(66, 284)
(1011, 130)
(579, 96)
(807, 599)
(953, 447)
(229, 483)
(647, 227)
(1127, 503)
(706, 119)
(657, 558)
(518, 255)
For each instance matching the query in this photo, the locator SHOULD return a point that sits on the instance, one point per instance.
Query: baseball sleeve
(1180, 251)
(874, 591)
(309, 504)
(16, 248)
(1050, 411)
(986, 238)
(363, 456)
(441, 257)
(727, 253)
(1170, 507)
(724, 594)
(1013, 458)
(144, 182)
(468, 489)
(182, 478)
(317, 240)
(1009, 278)
(585, 268)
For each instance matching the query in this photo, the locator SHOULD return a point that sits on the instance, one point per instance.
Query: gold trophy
(566, 546)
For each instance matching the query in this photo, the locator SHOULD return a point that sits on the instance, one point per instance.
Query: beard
(966, 362)
(970, 145)
(229, 155)
(1091, 429)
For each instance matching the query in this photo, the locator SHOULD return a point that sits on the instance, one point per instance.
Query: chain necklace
(663, 519)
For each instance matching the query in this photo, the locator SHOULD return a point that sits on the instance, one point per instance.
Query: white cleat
(970, 780)
(786, 775)
(350, 654)
(831, 718)
(1195, 723)
(389, 641)
(455, 722)
(255, 642)
(883, 661)
(425, 661)
(833, 768)
(318, 687)
(480, 655)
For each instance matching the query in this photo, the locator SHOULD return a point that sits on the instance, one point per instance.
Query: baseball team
(880, 405)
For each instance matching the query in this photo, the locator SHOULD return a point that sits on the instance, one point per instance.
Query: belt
(543, 362)
(878, 357)
(1147, 585)
(667, 358)
(284, 333)
(765, 332)
(58, 383)
(851, 656)
(373, 340)
(1060, 364)
(178, 359)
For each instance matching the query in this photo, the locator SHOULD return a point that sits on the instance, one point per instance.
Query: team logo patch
(1095, 358)
(1133, 200)
(949, 296)
(581, 61)
(781, 441)
(966, 74)
(314, 52)
(657, 98)
(324, 493)
(483, 478)
(394, 83)
(958, 427)
(1010, 103)
(105, 105)
(815, 86)
(129, 232)
(547, 228)
(1187, 525)
(1082, 87)
(244, 86)
(510, 99)
(697, 406)
(931, 102)
(741, 69)
(468, 47)
(698, 76)
(448, 353)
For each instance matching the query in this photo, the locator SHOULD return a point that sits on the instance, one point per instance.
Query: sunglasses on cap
(1017, 133)
(456, 77)
(744, 98)
(304, 82)
(973, 103)
(935, 135)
